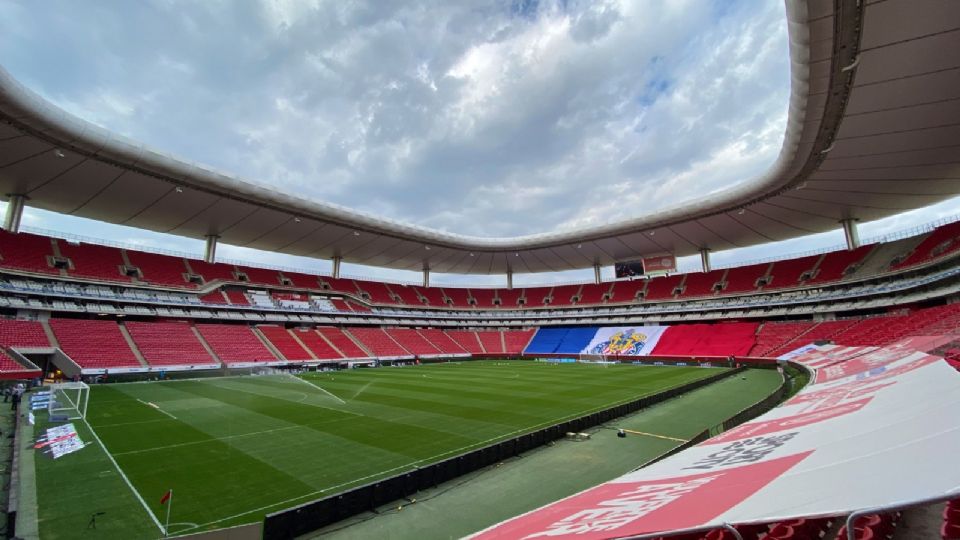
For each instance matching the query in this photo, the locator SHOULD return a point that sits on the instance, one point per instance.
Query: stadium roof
(873, 130)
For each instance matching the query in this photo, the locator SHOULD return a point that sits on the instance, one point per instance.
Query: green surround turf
(234, 449)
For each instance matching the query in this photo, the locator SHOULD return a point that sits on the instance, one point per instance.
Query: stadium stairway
(296, 338)
(269, 344)
(318, 346)
(132, 344)
(466, 339)
(206, 346)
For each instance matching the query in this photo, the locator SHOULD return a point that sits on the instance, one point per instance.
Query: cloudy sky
(495, 118)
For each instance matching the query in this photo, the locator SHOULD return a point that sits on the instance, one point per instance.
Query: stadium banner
(59, 441)
(624, 340)
(660, 264)
(879, 431)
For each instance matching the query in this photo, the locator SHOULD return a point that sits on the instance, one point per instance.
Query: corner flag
(164, 500)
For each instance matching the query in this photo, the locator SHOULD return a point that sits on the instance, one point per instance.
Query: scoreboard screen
(628, 269)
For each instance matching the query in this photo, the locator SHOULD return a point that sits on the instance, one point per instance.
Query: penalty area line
(124, 476)
(325, 391)
(157, 407)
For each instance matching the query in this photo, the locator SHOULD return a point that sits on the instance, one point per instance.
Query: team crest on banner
(625, 340)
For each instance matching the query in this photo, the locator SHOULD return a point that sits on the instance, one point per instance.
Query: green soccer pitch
(236, 448)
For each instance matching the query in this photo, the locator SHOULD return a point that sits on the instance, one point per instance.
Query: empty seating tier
(9, 365)
(484, 298)
(702, 284)
(516, 340)
(744, 278)
(378, 342)
(563, 295)
(792, 272)
(94, 343)
(467, 339)
(536, 296)
(235, 343)
(379, 293)
(411, 340)
(408, 295)
(662, 288)
(836, 264)
(317, 344)
(93, 261)
(284, 342)
(443, 342)
(212, 272)
(459, 298)
(491, 340)
(159, 269)
(19, 333)
(168, 343)
(261, 276)
(26, 252)
(775, 335)
(342, 342)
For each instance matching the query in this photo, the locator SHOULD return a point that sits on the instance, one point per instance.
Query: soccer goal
(68, 401)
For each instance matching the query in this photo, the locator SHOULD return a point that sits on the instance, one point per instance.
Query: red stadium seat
(950, 531)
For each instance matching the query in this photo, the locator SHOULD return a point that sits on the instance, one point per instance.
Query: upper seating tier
(31, 253)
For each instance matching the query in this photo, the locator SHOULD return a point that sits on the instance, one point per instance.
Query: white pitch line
(291, 401)
(157, 407)
(429, 459)
(124, 476)
(360, 391)
(304, 381)
(227, 437)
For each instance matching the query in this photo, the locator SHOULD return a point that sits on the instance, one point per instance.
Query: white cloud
(493, 119)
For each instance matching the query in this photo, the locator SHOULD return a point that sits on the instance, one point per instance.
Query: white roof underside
(863, 143)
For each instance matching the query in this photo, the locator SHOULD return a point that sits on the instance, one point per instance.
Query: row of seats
(101, 343)
(45, 255)
(950, 530)
(776, 338)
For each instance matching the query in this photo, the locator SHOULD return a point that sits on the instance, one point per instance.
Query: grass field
(234, 449)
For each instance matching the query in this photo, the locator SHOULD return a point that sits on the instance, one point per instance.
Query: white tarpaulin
(624, 340)
(877, 427)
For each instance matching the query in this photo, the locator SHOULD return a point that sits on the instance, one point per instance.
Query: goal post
(68, 401)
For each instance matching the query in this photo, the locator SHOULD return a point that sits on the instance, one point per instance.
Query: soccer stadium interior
(844, 426)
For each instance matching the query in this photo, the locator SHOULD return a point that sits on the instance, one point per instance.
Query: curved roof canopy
(873, 130)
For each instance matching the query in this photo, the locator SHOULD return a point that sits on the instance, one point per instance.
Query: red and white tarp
(878, 426)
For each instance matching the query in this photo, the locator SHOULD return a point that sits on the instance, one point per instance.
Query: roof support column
(210, 250)
(850, 233)
(509, 278)
(705, 259)
(11, 221)
(336, 266)
(426, 276)
(596, 273)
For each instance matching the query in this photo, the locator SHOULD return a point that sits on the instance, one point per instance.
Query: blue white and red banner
(624, 340)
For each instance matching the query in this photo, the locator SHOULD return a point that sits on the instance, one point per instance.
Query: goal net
(68, 401)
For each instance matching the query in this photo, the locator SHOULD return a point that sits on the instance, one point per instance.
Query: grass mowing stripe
(124, 476)
(236, 450)
(418, 462)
